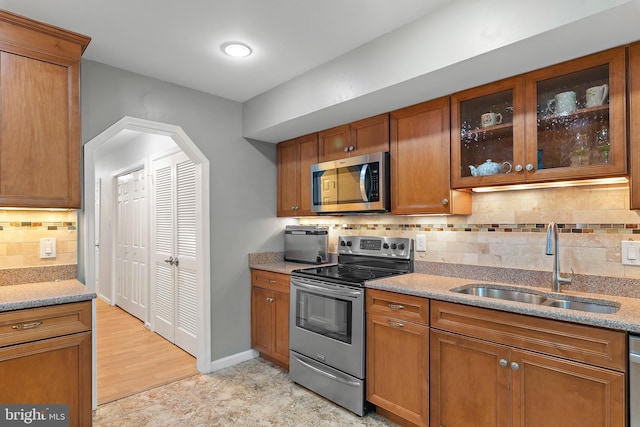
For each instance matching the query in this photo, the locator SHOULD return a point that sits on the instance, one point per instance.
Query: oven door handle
(328, 374)
(341, 292)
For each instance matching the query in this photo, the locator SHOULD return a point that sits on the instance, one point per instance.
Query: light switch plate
(48, 247)
(421, 242)
(630, 252)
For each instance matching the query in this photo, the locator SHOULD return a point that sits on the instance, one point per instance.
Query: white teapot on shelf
(489, 168)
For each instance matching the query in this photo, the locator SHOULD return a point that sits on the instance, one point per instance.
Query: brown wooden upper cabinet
(420, 166)
(365, 136)
(39, 114)
(563, 122)
(295, 158)
(634, 125)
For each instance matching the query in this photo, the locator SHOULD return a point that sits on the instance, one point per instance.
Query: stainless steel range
(327, 319)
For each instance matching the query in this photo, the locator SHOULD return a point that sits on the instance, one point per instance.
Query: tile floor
(252, 393)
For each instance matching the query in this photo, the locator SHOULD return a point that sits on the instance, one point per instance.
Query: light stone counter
(283, 267)
(439, 287)
(274, 261)
(30, 295)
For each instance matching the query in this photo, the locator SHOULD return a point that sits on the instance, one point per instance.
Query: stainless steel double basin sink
(539, 298)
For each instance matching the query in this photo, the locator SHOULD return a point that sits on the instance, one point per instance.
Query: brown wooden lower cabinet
(548, 391)
(45, 358)
(270, 316)
(468, 385)
(476, 382)
(398, 356)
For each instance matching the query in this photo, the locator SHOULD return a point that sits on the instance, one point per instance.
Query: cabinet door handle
(27, 325)
(272, 281)
(445, 201)
(396, 324)
(396, 306)
(529, 167)
(515, 366)
(503, 363)
(270, 299)
(518, 168)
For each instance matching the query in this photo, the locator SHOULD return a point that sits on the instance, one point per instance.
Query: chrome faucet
(558, 280)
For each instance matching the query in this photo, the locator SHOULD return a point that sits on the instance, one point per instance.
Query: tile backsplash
(21, 231)
(507, 229)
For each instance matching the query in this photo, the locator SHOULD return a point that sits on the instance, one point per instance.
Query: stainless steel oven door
(327, 323)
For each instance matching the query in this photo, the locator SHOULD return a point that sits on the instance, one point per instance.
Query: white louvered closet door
(174, 276)
(186, 268)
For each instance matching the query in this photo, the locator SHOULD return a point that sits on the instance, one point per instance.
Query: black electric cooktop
(350, 273)
(362, 258)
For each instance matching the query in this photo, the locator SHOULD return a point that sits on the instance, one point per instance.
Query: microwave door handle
(363, 189)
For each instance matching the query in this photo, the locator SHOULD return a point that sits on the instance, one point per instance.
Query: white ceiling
(179, 41)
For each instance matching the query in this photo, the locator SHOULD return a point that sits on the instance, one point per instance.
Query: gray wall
(243, 181)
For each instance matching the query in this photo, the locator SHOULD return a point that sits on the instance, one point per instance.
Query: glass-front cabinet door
(575, 123)
(560, 123)
(488, 134)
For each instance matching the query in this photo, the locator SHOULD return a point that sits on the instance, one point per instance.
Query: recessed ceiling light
(236, 49)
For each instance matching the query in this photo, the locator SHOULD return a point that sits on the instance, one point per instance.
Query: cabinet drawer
(589, 344)
(270, 280)
(34, 324)
(399, 306)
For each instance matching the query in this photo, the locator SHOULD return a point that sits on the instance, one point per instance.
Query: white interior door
(163, 274)
(131, 244)
(186, 260)
(175, 259)
(96, 231)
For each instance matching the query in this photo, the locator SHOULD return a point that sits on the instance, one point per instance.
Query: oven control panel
(398, 247)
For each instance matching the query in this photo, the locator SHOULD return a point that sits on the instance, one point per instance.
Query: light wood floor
(131, 358)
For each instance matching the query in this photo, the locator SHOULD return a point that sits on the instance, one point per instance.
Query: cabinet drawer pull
(396, 306)
(503, 363)
(27, 325)
(515, 366)
(272, 281)
(397, 324)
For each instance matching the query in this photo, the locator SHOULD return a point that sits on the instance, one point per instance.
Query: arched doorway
(90, 219)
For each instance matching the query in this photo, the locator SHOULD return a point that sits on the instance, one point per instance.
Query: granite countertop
(30, 295)
(284, 267)
(438, 286)
(627, 318)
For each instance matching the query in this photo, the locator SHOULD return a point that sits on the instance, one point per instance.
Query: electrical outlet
(48, 247)
(421, 242)
(630, 252)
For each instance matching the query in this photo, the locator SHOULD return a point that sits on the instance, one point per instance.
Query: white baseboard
(104, 298)
(234, 359)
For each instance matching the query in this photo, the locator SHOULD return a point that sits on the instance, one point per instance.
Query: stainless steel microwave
(352, 185)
